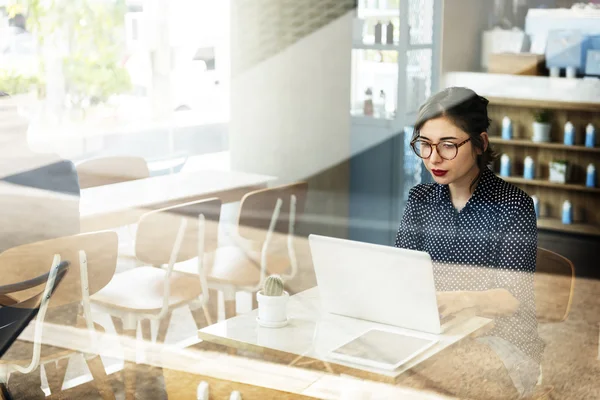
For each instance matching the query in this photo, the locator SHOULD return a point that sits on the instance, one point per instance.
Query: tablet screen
(381, 348)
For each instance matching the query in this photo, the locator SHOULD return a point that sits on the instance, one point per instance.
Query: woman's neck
(461, 190)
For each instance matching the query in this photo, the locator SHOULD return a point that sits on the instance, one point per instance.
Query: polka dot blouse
(491, 243)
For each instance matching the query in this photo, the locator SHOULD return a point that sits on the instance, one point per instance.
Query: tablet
(382, 349)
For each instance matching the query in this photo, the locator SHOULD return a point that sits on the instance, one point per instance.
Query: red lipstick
(439, 172)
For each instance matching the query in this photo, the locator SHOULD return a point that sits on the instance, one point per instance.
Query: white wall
(290, 113)
(463, 23)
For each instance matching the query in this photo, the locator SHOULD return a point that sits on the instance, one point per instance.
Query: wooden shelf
(554, 105)
(378, 12)
(542, 145)
(374, 46)
(541, 182)
(531, 91)
(556, 225)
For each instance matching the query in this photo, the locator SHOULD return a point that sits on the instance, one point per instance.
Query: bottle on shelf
(590, 176)
(389, 33)
(567, 213)
(390, 108)
(569, 138)
(368, 103)
(380, 105)
(506, 128)
(378, 32)
(529, 168)
(505, 165)
(590, 135)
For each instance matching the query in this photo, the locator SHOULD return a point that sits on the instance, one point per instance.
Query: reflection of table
(119, 204)
(184, 369)
(312, 333)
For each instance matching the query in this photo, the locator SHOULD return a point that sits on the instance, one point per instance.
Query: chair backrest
(157, 231)
(108, 170)
(15, 317)
(256, 210)
(554, 282)
(25, 262)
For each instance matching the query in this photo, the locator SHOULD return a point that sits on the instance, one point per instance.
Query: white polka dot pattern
(496, 230)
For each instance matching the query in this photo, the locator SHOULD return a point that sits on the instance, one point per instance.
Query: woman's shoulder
(423, 192)
(509, 196)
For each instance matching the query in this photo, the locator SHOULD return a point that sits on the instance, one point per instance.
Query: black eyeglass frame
(435, 145)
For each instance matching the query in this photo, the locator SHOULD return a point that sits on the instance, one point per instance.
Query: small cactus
(273, 286)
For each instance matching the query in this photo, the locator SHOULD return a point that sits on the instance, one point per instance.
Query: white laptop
(376, 283)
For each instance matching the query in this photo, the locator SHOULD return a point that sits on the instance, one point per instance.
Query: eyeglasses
(446, 150)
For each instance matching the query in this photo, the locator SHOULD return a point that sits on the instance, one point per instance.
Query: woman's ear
(486, 140)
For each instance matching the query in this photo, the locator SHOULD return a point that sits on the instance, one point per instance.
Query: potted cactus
(272, 303)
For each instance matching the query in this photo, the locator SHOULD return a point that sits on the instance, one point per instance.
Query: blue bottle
(567, 213)
(569, 134)
(529, 168)
(507, 130)
(505, 165)
(590, 136)
(536, 205)
(590, 177)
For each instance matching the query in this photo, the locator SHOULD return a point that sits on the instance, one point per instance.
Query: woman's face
(448, 171)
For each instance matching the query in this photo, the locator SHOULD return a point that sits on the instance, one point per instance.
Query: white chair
(147, 293)
(265, 234)
(93, 261)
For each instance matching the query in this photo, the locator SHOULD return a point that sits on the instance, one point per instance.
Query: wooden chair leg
(55, 374)
(146, 330)
(129, 370)
(98, 371)
(118, 324)
(229, 309)
(213, 305)
(254, 301)
(202, 317)
(229, 297)
(163, 328)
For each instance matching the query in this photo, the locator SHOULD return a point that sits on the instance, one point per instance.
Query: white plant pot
(272, 310)
(541, 132)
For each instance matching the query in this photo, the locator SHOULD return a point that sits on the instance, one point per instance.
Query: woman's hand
(450, 303)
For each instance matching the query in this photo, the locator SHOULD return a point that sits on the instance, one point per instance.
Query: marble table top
(312, 333)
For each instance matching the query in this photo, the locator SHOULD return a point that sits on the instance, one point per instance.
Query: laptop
(377, 283)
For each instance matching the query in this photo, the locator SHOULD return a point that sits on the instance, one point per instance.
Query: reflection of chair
(108, 170)
(263, 214)
(93, 262)
(166, 166)
(554, 282)
(15, 316)
(164, 237)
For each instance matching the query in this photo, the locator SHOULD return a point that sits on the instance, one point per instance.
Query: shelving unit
(529, 143)
(556, 225)
(574, 100)
(407, 72)
(375, 46)
(561, 186)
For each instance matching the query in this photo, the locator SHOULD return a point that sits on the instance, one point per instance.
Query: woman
(479, 230)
